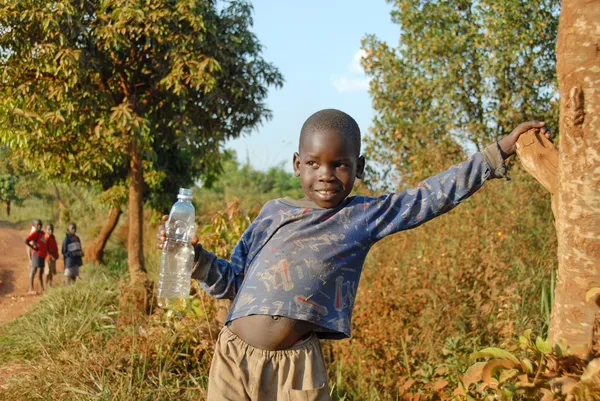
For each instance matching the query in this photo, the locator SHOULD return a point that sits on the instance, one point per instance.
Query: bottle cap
(185, 193)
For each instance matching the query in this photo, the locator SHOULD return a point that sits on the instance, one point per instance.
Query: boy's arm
(218, 277)
(439, 194)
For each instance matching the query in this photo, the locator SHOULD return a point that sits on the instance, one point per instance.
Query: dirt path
(14, 274)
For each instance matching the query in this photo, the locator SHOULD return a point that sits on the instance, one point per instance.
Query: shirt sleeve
(31, 236)
(436, 195)
(64, 247)
(218, 277)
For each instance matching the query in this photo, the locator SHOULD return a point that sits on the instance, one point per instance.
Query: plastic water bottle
(177, 259)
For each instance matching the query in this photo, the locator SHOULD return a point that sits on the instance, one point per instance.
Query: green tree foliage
(91, 87)
(241, 179)
(465, 73)
(8, 193)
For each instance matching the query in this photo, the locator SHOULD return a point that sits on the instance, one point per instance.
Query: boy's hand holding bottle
(161, 236)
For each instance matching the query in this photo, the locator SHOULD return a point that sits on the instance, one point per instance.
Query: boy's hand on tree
(162, 234)
(508, 144)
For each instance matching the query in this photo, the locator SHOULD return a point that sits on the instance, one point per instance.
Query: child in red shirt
(52, 255)
(36, 240)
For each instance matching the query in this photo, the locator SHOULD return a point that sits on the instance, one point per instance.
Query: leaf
(473, 374)
(440, 384)
(548, 396)
(491, 368)
(493, 352)
(543, 346)
(591, 371)
(527, 365)
(441, 371)
(507, 374)
(592, 293)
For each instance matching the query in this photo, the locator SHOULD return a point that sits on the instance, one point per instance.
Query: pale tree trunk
(61, 205)
(578, 202)
(135, 239)
(96, 252)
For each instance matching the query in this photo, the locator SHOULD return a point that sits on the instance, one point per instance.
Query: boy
(294, 274)
(36, 241)
(72, 252)
(52, 255)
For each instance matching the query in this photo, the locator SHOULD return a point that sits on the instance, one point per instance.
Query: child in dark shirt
(73, 253)
(36, 241)
(294, 274)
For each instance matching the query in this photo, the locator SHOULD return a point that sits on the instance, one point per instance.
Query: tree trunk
(96, 252)
(62, 212)
(578, 203)
(135, 240)
(8, 207)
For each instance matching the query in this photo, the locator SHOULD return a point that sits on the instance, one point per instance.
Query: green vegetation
(465, 73)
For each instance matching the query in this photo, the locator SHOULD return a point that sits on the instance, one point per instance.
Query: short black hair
(50, 225)
(332, 119)
(36, 222)
(71, 224)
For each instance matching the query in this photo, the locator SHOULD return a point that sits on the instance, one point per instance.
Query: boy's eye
(311, 164)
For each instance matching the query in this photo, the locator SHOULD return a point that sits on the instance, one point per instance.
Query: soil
(14, 274)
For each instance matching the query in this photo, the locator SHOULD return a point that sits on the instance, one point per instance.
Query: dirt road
(14, 273)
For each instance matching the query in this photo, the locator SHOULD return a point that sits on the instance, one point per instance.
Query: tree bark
(61, 204)
(96, 252)
(8, 208)
(578, 203)
(135, 239)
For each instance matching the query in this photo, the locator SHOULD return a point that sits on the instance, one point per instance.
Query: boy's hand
(508, 144)
(162, 234)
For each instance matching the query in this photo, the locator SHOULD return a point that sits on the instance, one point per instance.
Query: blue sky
(315, 45)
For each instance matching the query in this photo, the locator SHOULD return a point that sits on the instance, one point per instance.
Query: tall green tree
(464, 73)
(92, 85)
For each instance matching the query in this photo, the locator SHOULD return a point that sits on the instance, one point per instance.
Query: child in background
(36, 243)
(52, 255)
(72, 252)
(294, 274)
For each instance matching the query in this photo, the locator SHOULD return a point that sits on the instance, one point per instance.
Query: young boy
(52, 255)
(36, 243)
(294, 274)
(72, 252)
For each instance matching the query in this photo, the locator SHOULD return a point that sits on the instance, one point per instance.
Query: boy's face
(327, 166)
(49, 230)
(38, 227)
(72, 229)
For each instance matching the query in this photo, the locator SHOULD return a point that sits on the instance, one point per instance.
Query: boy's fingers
(165, 217)
(195, 240)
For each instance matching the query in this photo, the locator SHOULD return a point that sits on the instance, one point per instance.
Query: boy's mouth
(326, 193)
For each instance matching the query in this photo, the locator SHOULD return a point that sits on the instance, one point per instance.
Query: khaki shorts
(50, 267)
(241, 372)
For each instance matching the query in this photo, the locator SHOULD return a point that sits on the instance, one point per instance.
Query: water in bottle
(177, 257)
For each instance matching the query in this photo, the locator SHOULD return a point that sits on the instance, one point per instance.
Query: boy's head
(72, 228)
(37, 224)
(50, 229)
(328, 158)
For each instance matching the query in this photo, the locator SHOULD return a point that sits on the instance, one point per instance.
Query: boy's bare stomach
(271, 332)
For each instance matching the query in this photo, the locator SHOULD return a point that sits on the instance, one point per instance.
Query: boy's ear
(360, 168)
(296, 162)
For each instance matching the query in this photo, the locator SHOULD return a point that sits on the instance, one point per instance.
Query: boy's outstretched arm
(442, 192)
(218, 277)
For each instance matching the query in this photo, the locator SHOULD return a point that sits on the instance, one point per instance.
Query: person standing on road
(52, 255)
(36, 240)
(72, 252)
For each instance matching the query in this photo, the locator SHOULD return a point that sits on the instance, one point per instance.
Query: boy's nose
(326, 174)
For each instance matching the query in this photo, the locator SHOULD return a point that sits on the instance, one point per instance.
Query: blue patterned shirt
(304, 262)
